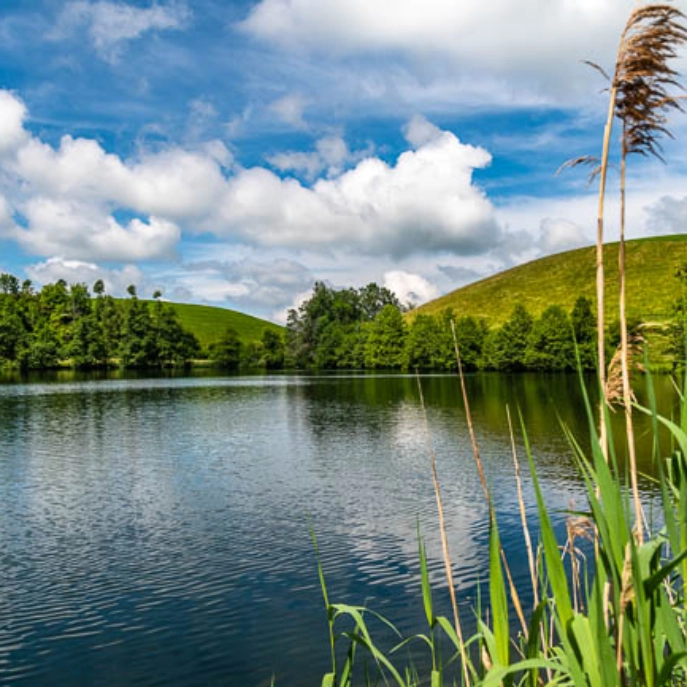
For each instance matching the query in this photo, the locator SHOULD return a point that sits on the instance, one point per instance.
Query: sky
(234, 152)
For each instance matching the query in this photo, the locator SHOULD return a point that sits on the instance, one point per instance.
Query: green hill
(209, 323)
(559, 279)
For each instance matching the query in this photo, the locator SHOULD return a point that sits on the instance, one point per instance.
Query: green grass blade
(497, 592)
(424, 577)
(556, 570)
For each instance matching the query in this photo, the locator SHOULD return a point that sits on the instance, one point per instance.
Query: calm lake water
(156, 531)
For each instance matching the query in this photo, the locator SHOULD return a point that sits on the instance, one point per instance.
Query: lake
(156, 531)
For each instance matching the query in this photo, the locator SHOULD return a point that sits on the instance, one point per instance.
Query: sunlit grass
(209, 323)
(560, 279)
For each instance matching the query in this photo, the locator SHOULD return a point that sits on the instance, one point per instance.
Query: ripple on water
(157, 532)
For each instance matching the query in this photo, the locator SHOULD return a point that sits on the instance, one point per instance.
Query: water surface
(156, 531)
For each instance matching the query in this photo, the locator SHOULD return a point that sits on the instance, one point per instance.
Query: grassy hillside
(560, 279)
(209, 323)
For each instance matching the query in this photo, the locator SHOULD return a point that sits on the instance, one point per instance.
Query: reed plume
(640, 97)
(641, 83)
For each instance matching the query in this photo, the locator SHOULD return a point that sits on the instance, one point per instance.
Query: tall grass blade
(497, 594)
(556, 571)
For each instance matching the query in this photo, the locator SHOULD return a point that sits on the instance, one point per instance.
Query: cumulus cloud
(175, 183)
(410, 288)
(486, 40)
(76, 272)
(12, 133)
(6, 221)
(425, 202)
(420, 131)
(110, 25)
(81, 231)
(331, 155)
(81, 202)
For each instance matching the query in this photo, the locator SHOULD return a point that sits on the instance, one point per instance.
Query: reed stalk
(480, 469)
(444, 539)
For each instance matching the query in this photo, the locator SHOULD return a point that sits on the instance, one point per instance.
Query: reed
(621, 621)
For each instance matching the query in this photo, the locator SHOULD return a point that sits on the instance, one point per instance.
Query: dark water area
(156, 531)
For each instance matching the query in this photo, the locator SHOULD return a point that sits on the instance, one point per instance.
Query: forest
(367, 328)
(63, 325)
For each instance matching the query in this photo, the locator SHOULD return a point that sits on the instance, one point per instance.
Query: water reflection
(156, 531)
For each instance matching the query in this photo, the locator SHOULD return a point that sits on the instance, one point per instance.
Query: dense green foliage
(66, 325)
(331, 331)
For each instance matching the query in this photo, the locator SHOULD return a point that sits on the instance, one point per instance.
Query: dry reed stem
(627, 391)
(480, 469)
(626, 596)
(444, 539)
(577, 527)
(600, 301)
(523, 514)
(534, 578)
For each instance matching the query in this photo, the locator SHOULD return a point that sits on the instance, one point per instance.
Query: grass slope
(559, 279)
(209, 323)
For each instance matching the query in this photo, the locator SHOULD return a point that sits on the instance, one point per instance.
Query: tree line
(364, 328)
(67, 325)
(368, 329)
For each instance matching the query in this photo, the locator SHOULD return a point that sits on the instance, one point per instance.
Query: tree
(226, 353)
(471, 334)
(385, 346)
(550, 343)
(273, 349)
(327, 330)
(583, 324)
(422, 343)
(137, 346)
(504, 348)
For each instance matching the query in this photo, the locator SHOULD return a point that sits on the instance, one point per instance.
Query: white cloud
(60, 227)
(175, 182)
(420, 131)
(6, 221)
(425, 202)
(72, 195)
(111, 24)
(331, 155)
(12, 133)
(410, 288)
(307, 164)
(290, 109)
(536, 44)
(266, 285)
(78, 272)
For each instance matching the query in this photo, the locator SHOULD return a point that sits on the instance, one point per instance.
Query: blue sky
(233, 153)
